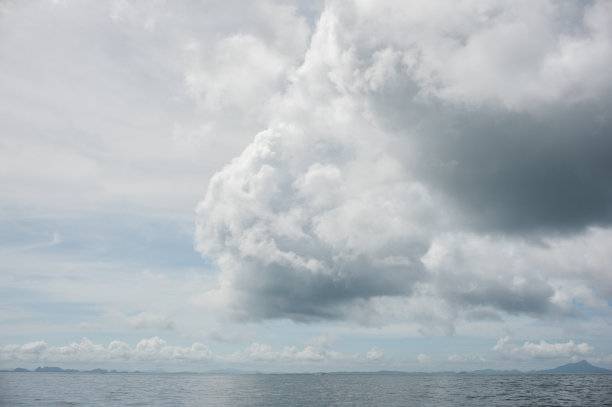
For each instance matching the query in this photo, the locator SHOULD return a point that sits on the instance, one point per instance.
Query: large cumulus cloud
(297, 235)
(424, 156)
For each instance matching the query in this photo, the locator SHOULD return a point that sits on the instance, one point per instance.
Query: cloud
(478, 116)
(265, 353)
(144, 320)
(323, 341)
(148, 320)
(521, 276)
(422, 358)
(530, 350)
(466, 358)
(157, 350)
(406, 163)
(105, 83)
(375, 354)
(153, 349)
(316, 350)
(237, 336)
(243, 73)
(279, 236)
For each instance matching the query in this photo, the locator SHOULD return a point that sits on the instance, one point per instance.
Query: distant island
(579, 367)
(582, 367)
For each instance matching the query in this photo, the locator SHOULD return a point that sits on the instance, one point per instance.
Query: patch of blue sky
(144, 240)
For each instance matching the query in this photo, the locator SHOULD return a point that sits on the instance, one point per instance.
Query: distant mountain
(54, 369)
(582, 367)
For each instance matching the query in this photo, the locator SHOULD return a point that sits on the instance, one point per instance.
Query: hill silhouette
(582, 367)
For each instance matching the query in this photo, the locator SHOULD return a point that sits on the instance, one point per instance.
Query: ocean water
(90, 389)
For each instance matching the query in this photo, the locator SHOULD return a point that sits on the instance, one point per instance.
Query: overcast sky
(305, 185)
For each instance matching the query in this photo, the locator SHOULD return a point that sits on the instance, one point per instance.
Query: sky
(303, 186)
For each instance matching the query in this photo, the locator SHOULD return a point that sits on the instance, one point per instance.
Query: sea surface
(91, 389)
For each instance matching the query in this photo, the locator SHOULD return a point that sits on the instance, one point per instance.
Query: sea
(183, 390)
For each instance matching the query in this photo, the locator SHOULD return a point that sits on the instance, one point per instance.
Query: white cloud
(515, 54)
(260, 352)
(153, 349)
(241, 72)
(423, 358)
(375, 354)
(158, 350)
(466, 358)
(543, 349)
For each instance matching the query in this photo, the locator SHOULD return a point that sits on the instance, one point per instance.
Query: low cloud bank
(157, 350)
(543, 349)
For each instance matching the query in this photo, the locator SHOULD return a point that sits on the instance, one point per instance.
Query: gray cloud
(515, 172)
(294, 241)
(407, 163)
(505, 111)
